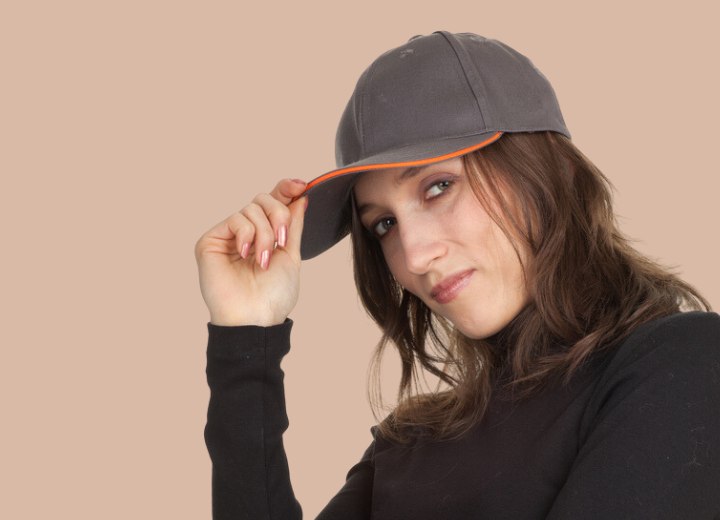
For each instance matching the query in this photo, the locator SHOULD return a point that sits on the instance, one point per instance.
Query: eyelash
(375, 224)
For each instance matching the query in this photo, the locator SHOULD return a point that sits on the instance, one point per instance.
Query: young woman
(579, 379)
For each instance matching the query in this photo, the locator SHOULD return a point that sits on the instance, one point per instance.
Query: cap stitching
(361, 108)
(469, 70)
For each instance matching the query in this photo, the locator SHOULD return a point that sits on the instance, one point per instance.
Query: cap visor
(325, 222)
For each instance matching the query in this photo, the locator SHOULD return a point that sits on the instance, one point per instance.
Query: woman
(579, 379)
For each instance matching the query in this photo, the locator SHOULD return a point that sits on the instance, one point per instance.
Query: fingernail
(245, 249)
(282, 236)
(299, 181)
(265, 259)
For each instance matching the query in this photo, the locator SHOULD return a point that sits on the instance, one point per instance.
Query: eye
(435, 189)
(438, 188)
(382, 226)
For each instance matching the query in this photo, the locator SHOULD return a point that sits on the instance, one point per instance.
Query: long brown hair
(588, 287)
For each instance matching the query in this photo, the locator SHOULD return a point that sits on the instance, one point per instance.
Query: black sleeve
(245, 423)
(651, 442)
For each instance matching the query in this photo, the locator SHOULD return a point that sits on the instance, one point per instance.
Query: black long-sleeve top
(636, 435)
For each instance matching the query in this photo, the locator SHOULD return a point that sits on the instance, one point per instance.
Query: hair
(589, 288)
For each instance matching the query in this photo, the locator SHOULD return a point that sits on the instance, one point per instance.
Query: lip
(449, 288)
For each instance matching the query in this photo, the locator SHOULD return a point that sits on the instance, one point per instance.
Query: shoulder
(649, 431)
(668, 366)
(694, 326)
(678, 336)
(681, 349)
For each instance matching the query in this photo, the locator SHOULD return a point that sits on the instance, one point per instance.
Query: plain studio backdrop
(129, 128)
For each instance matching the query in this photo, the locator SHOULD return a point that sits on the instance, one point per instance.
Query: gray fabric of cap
(435, 97)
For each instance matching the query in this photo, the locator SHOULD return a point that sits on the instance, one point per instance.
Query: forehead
(367, 180)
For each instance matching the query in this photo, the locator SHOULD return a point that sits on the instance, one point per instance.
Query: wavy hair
(589, 288)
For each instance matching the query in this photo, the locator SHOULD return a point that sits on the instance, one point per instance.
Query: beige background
(128, 128)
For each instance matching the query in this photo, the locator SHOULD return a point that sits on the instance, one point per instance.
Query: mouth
(450, 287)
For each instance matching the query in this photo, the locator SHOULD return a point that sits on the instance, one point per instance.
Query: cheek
(473, 227)
(510, 269)
(394, 261)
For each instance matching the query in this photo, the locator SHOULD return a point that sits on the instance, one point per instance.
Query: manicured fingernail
(245, 249)
(265, 259)
(299, 181)
(282, 236)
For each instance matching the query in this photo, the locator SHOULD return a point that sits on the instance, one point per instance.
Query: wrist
(237, 321)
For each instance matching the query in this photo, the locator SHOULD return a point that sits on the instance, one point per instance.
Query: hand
(244, 279)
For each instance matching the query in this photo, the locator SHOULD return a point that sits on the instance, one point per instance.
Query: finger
(297, 215)
(277, 213)
(227, 236)
(244, 231)
(264, 233)
(288, 189)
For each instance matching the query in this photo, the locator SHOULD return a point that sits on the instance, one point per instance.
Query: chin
(483, 330)
(476, 330)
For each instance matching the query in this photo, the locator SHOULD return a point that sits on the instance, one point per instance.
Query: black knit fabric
(636, 435)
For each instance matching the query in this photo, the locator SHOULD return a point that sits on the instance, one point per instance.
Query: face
(441, 245)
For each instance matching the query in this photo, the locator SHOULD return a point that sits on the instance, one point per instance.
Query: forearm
(245, 423)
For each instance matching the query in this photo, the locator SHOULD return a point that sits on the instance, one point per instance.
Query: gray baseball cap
(435, 97)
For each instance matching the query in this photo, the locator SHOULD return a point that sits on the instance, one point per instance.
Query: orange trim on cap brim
(419, 162)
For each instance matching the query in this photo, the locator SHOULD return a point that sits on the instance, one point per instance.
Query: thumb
(297, 220)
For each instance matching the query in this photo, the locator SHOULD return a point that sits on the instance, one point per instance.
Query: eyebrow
(409, 173)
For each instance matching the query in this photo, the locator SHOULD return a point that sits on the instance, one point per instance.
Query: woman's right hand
(244, 280)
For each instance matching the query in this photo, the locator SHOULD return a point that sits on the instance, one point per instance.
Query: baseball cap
(436, 97)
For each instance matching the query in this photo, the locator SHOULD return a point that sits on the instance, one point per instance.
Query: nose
(421, 243)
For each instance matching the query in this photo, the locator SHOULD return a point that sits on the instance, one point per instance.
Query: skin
(249, 263)
(245, 277)
(430, 229)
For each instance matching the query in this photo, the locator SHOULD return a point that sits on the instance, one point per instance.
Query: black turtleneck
(633, 436)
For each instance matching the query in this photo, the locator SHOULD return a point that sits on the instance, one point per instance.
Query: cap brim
(327, 215)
